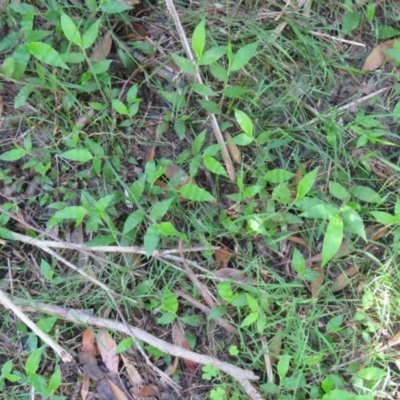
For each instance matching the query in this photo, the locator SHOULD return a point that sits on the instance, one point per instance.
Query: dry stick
(350, 105)
(338, 39)
(217, 132)
(243, 376)
(104, 249)
(7, 303)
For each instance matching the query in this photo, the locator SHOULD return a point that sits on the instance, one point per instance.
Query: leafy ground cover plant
(226, 180)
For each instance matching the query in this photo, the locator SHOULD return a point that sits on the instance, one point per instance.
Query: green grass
(312, 168)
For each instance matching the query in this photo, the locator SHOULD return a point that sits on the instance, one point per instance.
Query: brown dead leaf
(148, 391)
(297, 240)
(378, 56)
(84, 120)
(171, 369)
(232, 148)
(133, 376)
(317, 282)
(118, 393)
(85, 387)
(178, 337)
(395, 339)
(176, 173)
(344, 278)
(102, 49)
(232, 274)
(89, 342)
(275, 346)
(107, 348)
(222, 257)
(376, 232)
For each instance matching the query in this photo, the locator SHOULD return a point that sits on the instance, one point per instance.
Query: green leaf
(209, 106)
(386, 32)
(167, 229)
(73, 212)
(70, 30)
(79, 155)
(124, 345)
(22, 8)
(353, 222)
(244, 122)
(214, 166)
(9, 41)
(45, 53)
(47, 324)
(225, 290)
(113, 6)
(184, 64)
(372, 374)
(396, 111)
(350, 21)
(160, 209)
(235, 92)
(166, 319)
(298, 262)
(199, 38)
(334, 323)
(252, 303)
(243, 139)
(385, 218)
(202, 89)
(315, 208)
(365, 193)
(90, 36)
(13, 155)
(306, 183)
(333, 239)
(212, 55)
(150, 239)
(251, 318)
(131, 96)
(195, 193)
(217, 312)
(243, 56)
(170, 301)
(33, 361)
(55, 380)
(278, 175)
(100, 67)
(175, 98)
(218, 72)
(133, 221)
(21, 58)
(198, 142)
(338, 191)
(23, 95)
(119, 107)
(8, 67)
(283, 366)
(46, 269)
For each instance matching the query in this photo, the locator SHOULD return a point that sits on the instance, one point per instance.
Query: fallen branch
(242, 376)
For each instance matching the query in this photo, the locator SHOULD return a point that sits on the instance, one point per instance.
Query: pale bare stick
(347, 106)
(7, 303)
(242, 376)
(104, 249)
(217, 132)
(338, 39)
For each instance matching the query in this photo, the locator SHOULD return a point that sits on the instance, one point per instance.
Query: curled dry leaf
(317, 282)
(86, 118)
(89, 342)
(222, 257)
(178, 337)
(233, 149)
(89, 366)
(117, 392)
(344, 278)
(133, 376)
(107, 348)
(148, 391)
(85, 387)
(231, 274)
(102, 49)
(297, 240)
(378, 56)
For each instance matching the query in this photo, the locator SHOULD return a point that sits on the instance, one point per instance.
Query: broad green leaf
(282, 194)
(103, 203)
(209, 106)
(198, 142)
(160, 209)
(100, 67)
(46, 269)
(217, 312)
(114, 6)
(283, 366)
(218, 72)
(352, 222)
(235, 92)
(55, 380)
(316, 208)
(298, 262)
(251, 318)
(338, 191)
(396, 111)
(278, 175)
(225, 290)
(13, 155)
(372, 374)
(334, 323)
(184, 64)
(119, 107)
(45, 53)
(21, 58)
(9, 41)
(175, 98)
(150, 239)
(133, 221)
(33, 361)
(90, 36)
(350, 21)
(167, 229)
(79, 155)
(333, 239)
(214, 166)
(195, 193)
(131, 96)
(306, 183)
(386, 32)
(212, 55)
(47, 324)
(199, 38)
(252, 303)
(202, 89)
(365, 193)
(73, 212)
(22, 8)
(170, 301)
(385, 218)
(124, 345)
(166, 319)
(23, 95)
(70, 30)
(243, 56)
(73, 57)
(244, 122)
(243, 139)
(7, 69)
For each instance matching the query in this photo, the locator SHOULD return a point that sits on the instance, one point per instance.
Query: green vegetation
(291, 217)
